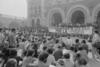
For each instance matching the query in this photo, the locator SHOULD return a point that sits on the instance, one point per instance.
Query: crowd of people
(23, 49)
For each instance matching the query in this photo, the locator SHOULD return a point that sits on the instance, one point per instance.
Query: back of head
(78, 56)
(50, 51)
(90, 40)
(13, 53)
(30, 53)
(44, 48)
(96, 32)
(56, 41)
(13, 30)
(63, 44)
(0, 29)
(43, 57)
(44, 41)
(67, 56)
(83, 41)
(11, 63)
(82, 62)
(77, 41)
(61, 62)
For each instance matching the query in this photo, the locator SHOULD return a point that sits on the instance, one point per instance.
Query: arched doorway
(33, 22)
(78, 17)
(56, 19)
(38, 22)
(98, 18)
(98, 21)
(78, 14)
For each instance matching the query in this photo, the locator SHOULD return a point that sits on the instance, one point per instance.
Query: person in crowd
(58, 53)
(42, 60)
(84, 45)
(41, 47)
(1, 37)
(12, 39)
(57, 44)
(90, 49)
(96, 37)
(82, 62)
(83, 53)
(2, 59)
(28, 59)
(6, 54)
(13, 55)
(11, 63)
(65, 61)
(76, 45)
(44, 49)
(27, 44)
(22, 44)
(50, 58)
(35, 47)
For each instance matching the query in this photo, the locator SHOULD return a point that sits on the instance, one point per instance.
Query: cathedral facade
(51, 13)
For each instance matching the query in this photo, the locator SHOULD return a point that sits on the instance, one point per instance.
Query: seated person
(82, 62)
(42, 60)
(11, 63)
(50, 58)
(28, 59)
(65, 61)
(58, 53)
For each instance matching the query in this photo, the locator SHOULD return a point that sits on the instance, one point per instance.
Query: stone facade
(61, 11)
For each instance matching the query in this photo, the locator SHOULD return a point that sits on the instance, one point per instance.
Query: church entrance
(56, 19)
(78, 17)
(98, 21)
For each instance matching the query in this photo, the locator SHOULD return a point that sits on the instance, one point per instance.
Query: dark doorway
(78, 17)
(56, 19)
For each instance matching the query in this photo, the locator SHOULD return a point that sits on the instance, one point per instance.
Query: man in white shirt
(96, 37)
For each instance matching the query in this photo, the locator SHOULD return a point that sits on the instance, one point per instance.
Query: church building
(52, 13)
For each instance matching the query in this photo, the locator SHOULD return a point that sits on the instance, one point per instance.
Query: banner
(75, 30)
(53, 30)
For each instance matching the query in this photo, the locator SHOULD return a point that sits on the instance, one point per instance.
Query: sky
(14, 7)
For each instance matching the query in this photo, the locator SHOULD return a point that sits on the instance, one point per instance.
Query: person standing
(1, 37)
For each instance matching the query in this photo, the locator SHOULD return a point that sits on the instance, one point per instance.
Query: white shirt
(89, 45)
(65, 51)
(50, 59)
(41, 48)
(96, 38)
(1, 37)
(19, 52)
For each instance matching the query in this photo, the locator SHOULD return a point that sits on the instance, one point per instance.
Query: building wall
(44, 9)
(34, 10)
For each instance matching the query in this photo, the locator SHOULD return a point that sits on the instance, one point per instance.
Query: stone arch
(95, 12)
(56, 16)
(81, 12)
(96, 17)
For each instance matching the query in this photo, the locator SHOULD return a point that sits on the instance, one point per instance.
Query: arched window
(78, 17)
(56, 19)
